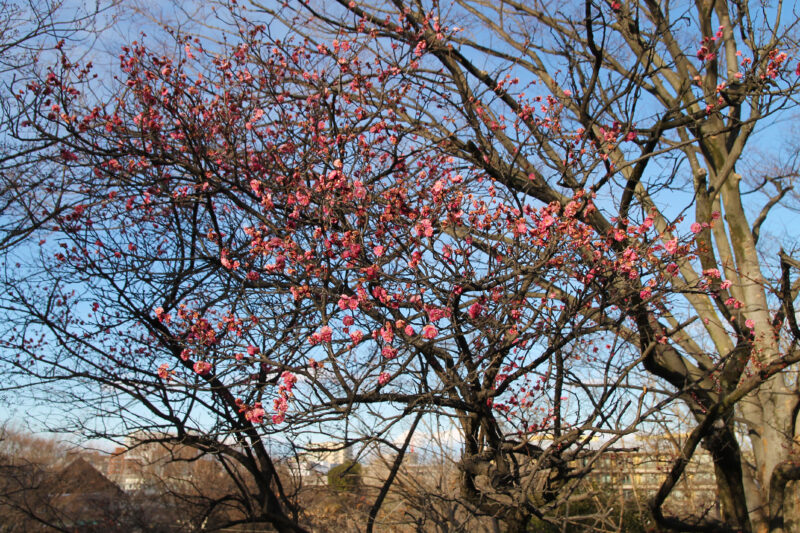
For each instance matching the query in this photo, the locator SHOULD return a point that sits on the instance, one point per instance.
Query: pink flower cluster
(323, 335)
(281, 403)
(254, 413)
(202, 367)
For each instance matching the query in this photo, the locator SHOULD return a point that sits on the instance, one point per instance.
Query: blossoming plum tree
(656, 107)
(268, 243)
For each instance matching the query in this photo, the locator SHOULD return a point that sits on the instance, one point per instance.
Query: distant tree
(43, 488)
(46, 485)
(25, 462)
(345, 477)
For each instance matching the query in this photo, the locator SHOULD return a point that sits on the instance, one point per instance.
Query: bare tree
(45, 489)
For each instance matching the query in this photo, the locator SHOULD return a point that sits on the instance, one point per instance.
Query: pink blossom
(325, 333)
(475, 310)
(645, 293)
(546, 222)
(252, 350)
(380, 294)
(696, 227)
(383, 378)
(163, 371)
(389, 352)
(289, 380)
(348, 302)
(436, 313)
(409, 330)
(68, 156)
(359, 191)
(387, 333)
(429, 331)
(671, 246)
(348, 321)
(202, 367)
(424, 228)
(255, 414)
(226, 262)
(725, 284)
(734, 302)
(749, 323)
(280, 404)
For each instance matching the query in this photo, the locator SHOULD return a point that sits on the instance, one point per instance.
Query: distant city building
(330, 453)
(637, 467)
(311, 466)
(146, 463)
(632, 469)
